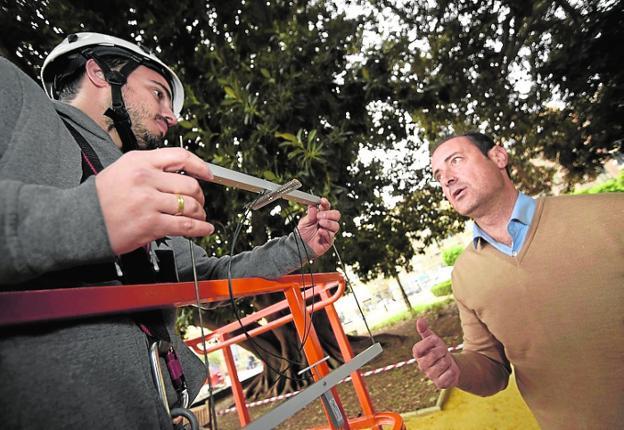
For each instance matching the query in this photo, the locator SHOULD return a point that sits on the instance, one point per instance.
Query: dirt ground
(399, 390)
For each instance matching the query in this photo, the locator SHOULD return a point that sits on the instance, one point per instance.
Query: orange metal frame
(21, 307)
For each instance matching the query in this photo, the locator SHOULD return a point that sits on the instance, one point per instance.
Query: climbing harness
(144, 265)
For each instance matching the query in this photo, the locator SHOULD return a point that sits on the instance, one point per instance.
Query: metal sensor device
(271, 191)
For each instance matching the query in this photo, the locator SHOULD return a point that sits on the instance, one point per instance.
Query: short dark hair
(478, 139)
(69, 85)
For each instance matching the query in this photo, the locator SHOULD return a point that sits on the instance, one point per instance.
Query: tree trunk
(404, 294)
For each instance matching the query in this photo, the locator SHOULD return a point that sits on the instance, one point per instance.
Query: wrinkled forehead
(449, 147)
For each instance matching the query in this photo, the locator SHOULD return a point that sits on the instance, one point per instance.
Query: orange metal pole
(237, 388)
(312, 346)
(347, 353)
(256, 316)
(45, 305)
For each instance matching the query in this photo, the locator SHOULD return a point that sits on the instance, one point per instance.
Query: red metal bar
(237, 388)
(347, 353)
(19, 307)
(312, 347)
(196, 343)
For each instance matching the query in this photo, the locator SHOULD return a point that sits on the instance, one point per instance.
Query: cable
(235, 309)
(307, 327)
(357, 302)
(211, 404)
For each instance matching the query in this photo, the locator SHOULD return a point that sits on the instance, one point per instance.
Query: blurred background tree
(542, 77)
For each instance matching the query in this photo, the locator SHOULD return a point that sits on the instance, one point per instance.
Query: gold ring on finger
(180, 199)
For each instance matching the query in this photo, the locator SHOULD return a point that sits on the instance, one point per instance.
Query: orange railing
(21, 307)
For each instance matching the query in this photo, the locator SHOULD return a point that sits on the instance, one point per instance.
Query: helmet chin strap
(118, 112)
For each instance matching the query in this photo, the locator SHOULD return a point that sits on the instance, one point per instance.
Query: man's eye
(158, 94)
(456, 160)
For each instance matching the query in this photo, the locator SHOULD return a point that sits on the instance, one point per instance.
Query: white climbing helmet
(72, 52)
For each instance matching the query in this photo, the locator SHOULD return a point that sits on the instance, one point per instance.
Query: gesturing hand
(143, 198)
(434, 358)
(319, 227)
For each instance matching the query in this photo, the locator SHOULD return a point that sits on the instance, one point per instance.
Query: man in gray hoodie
(85, 199)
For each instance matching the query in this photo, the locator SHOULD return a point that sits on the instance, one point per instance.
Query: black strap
(118, 112)
(89, 155)
(137, 266)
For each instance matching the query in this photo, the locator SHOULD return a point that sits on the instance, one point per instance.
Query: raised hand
(143, 198)
(319, 227)
(434, 358)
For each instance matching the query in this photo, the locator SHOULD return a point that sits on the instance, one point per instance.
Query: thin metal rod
(231, 178)
(211, 411)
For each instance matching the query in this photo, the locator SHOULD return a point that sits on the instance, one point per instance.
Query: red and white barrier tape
(368, 373)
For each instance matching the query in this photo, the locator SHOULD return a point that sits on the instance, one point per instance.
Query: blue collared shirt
(518, 226)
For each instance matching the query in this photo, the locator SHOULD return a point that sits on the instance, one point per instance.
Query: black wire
(357, 302)
(307, 327)
(212, 413)
(254, 345)
(235, 308)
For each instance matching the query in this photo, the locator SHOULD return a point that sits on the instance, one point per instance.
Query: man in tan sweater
(541, 287)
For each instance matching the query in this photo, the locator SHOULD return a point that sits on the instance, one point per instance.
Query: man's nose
(449, 179)
(169, 117)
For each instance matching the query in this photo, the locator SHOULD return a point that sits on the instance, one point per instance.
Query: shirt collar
(522, 212)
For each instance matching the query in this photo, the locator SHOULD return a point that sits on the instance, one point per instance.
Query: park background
(347, 96)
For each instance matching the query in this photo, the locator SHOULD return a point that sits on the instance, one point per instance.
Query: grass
(436, 304)
(615, 185)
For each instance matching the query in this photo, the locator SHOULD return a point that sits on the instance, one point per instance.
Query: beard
(145, 139)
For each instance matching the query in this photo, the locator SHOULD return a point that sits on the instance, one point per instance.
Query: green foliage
(450, 255)
(615, 185)
(442, 289)
(496, 66)
(416, 312)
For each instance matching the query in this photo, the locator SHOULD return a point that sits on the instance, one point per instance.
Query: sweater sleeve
(484, 367)
(42, 227)
(275, 258)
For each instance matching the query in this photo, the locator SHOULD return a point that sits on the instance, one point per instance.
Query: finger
(324, 204)
(173, 183)
(330, 214)
(172, 225)
(175, 159)
(310, 218)
(186, 206)
(420, 349)
(423, 328)
(434, 355)
(312, 214)
(332, 226)
(438, 368)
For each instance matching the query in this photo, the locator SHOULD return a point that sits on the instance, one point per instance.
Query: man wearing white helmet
(80, 206)
(64, 68)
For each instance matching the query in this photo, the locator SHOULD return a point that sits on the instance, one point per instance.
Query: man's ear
(499, 156)
(95, 74)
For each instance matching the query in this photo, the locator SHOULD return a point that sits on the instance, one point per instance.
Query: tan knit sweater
(556, 312)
